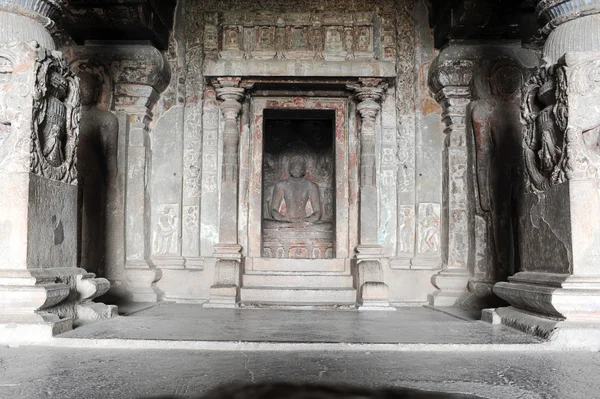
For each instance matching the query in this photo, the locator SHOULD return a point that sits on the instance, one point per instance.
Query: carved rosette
(55, 119)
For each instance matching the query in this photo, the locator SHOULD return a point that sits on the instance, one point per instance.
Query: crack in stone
(322, 372)
(247, 369)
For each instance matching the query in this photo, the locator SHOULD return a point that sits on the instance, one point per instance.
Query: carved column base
(557, 296)
(482, 295)
(224, 293)
(560, 231)
(373, 292)
(561, 333)
(452, 287)
(32, 328)
(141, 283)
(37, 304)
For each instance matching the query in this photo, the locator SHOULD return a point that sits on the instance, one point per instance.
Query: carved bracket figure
(563, 122)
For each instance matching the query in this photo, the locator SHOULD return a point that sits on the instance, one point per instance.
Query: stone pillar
(372, 291)
(42, 290)
(449, 79)
(136, 102)
(225, 290)
(556, 293)
(138, 74)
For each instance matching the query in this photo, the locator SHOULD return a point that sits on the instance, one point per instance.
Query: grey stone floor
(36, 372)
(413, 325)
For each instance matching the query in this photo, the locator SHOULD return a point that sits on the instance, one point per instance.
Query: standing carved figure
(498, 147)
(406, 230)
(165, 230)
(430, 226)
(97, 167)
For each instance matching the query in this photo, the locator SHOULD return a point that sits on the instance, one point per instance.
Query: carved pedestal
(42, 291)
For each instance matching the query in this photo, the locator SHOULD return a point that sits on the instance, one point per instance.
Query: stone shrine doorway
(320, 233)
(298, 184)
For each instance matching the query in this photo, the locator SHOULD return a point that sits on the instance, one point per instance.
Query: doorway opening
(298, 193)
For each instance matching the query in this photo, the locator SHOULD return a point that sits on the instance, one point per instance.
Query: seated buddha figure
(296, 191)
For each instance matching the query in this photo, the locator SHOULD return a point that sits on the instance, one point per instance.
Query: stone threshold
(248, 346)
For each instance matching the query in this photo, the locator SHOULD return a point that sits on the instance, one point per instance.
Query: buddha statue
(296, 191)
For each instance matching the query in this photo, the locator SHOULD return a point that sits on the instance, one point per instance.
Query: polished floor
(36, 372)
(186, 324)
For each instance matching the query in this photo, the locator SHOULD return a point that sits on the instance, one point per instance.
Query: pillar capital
(552, 13)
(370, 90)
(44, 11)
(29, 20)
(229, 91)
(568, 26)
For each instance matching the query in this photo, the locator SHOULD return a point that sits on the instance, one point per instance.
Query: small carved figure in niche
(430, 227)
(165, 228)
(498, 142)
(97, 167)
(406, 230)
(191, 225)
(296, 191)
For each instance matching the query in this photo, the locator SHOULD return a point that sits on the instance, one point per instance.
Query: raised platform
(178, 326)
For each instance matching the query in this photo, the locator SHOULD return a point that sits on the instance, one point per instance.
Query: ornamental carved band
(39, 113)
(562, 122)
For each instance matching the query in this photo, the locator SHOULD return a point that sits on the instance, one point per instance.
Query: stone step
(299, 265)
(298, 280)
(297, 296)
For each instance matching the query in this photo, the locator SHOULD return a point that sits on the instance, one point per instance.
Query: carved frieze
(304, 35)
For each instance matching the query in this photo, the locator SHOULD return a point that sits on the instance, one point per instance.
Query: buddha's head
(88, 87)
(297, 167)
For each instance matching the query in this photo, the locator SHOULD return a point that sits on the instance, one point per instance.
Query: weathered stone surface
(97, 167)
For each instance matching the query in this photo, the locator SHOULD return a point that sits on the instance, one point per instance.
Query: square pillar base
(39, 327)
(223, 296)
(452, 287)
(560, 333)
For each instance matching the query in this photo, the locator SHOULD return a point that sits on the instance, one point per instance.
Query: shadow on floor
(309, 391)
